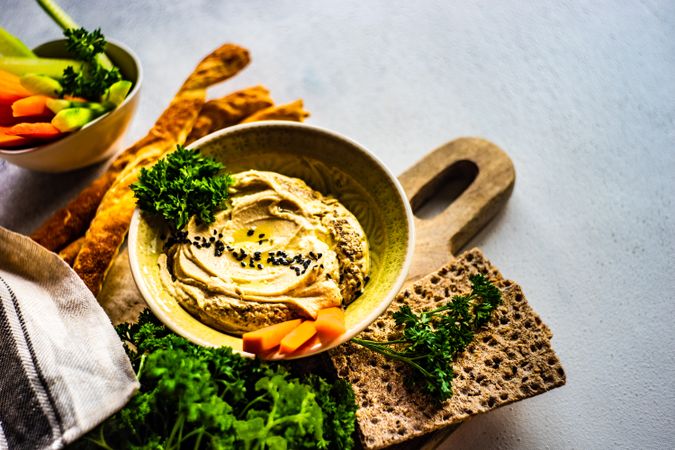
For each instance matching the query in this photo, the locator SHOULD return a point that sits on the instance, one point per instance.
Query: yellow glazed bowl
(327, 162)
(99, 139)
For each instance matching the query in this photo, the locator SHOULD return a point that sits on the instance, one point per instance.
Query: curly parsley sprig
(98, 73)
(183, 184)
(432, 339)
(200, 397)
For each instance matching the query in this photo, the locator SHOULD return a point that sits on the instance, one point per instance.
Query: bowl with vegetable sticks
(41, 129)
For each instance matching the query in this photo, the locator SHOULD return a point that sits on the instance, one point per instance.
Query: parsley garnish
(432, 339)
(199, 397)
(181, 185)
(98, 74)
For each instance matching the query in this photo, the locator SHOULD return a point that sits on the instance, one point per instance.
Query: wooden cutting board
(454, 191)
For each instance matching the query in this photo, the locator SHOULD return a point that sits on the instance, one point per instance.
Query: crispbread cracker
(509, 359)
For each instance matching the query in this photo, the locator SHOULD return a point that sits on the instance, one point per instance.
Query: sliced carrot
(9, 97)
(293, 340)
(267, 338)
(304, 348)
(38, 130)
(330, 323)
(10, 83)
(35, 105)
(74, 98)
(12, 141)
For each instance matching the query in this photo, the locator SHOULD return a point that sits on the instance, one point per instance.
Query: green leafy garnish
(181, 185)
(98, 74)
(211, 398)
(432, 339)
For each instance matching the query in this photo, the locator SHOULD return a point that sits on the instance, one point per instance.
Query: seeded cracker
(511, 359)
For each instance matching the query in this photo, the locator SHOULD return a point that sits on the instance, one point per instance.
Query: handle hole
(434, 197)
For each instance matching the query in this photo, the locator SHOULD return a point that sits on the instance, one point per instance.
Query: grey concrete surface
(580, 94)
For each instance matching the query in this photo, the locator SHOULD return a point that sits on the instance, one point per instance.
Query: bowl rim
(384, 302)
(129, 97)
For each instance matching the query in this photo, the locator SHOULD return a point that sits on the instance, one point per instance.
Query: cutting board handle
(446, 233)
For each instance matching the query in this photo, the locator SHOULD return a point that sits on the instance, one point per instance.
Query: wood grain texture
(440, 237)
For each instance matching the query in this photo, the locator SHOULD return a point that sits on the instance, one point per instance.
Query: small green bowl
(326, 161)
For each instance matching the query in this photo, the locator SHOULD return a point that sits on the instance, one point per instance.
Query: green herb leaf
(98, 74)
(200, 397)
(432, 339)
(181, 185)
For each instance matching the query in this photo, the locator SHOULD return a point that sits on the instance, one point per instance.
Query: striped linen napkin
(63, 369)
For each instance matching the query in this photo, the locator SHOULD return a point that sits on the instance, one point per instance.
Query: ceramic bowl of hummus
(313, 220)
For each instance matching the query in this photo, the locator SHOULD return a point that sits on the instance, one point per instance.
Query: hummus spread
(278, 251)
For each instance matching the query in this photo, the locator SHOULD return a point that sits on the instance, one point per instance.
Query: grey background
(580, 94)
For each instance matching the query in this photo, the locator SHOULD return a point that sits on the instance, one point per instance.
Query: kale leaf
(181, 185)
(200, 397)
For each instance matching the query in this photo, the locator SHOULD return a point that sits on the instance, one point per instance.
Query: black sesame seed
(215, 232)
(320, 255)
(220, 235)
(261, 235)
(259, 266)
(366, 279)
(329, 276)
(250, 232)
(357, 294)
(321, 265)
(260, 242)
(212, 239)
(199, 238)
(243, 264)
(312, 255)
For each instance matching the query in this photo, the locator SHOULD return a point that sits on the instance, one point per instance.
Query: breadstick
(229, 110)
(292, 111)
(110, 224)
(69, 224)
(70, 251)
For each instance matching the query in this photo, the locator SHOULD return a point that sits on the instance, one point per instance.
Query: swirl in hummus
(278, 251)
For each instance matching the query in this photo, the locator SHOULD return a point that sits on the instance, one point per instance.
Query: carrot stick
(297, 337)
(267, 338)
(38, 130)
(11, 140)
(330, 323)
(35, 105)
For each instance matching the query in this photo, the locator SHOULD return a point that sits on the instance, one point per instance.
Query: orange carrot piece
(297, 337)
(267, 338)
(10, 83)
(38, 130)
(12, 141)
(9, 97)
(330, 323)
(74, 98)
(35, 105)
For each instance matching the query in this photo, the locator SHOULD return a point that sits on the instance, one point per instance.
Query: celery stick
(71, 119)
(11, 45)
(58, 14)
(41, 84)
(66, 22)
(117, 92)
(57, 105)
(44, 66)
